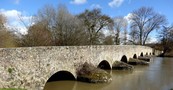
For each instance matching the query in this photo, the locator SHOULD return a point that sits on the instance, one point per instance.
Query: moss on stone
(133, 61)
(118, 65)
(10, 70)
(145, 58)
(89, 73)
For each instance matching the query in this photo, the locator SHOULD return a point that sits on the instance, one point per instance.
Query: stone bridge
(32, 67)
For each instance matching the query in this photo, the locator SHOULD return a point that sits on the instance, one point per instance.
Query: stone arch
(135, 56)
(150, 53)
(124, 59)
(141, 54)
(146, 53)
(61, 75)
(104, 65)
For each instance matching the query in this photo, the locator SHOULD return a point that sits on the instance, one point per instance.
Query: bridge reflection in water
(156, 76)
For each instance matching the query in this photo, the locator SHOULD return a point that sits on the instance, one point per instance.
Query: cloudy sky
(26, 8)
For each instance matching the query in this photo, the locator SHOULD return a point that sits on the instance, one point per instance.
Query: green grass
(11, 89)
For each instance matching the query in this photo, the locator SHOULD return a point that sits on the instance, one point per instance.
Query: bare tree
(125, 37)
(38, 35)
(120, 24)
(68, 29)
(3, 20)
(94, 22)
(65, 28)
(146, 20)
(134, 36)
(109, 40)
(166, 38)
(47, 14)
(6, 36)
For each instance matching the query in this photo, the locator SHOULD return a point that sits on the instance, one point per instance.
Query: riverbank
(167, 54)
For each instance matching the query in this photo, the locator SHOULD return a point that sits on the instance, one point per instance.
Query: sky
(26, 8)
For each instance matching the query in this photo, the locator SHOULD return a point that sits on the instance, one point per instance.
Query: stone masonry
(31, 67)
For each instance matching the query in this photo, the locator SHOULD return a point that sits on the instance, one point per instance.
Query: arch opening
(124, 59)
(61, 75)
(104, 65)
(135, 56)
(150, 53)
(141, 54)
(146, 53)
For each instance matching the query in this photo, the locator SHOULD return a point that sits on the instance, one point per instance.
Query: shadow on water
(74, 85)
(62, 80)
(61, 75)
(60, 85)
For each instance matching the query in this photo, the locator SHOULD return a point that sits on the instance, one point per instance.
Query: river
(157, 76)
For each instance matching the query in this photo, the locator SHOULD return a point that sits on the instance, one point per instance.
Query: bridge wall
(31, 67)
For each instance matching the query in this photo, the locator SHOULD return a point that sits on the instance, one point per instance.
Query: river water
(157, 76)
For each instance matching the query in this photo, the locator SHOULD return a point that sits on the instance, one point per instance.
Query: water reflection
(157, 76)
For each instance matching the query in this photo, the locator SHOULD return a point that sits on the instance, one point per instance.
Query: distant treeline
(56, 26)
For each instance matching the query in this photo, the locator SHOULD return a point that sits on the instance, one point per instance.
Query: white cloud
(128, 16)
(96, 6)
(115, 3)
(13, 20)
(78, 1)
(10, 14)
(151, 39)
